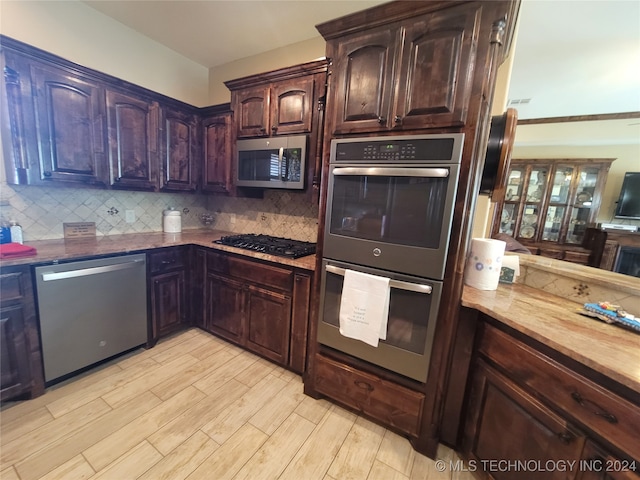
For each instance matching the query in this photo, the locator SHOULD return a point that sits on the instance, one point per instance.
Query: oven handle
(393, 171)
(412, 287)
(280, 155)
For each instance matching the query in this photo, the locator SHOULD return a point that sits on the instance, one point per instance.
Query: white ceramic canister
(171, 221)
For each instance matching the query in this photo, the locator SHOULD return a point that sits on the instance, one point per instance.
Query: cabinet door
(69, 127)
(511, 205)
(586, 202)
(133, 141)
(292, 106)
(504, 422)
(178, 151)
(599, 464)
(533, 201)
(217, 175)
(14, 364)
(224, 308)
(363, 81)
(268, 317)
(251, 109)
(436, 69)
(168, 302)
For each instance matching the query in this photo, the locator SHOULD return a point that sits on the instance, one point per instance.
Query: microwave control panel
(413, 149)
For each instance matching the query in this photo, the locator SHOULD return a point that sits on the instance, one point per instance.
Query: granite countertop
(51, 250)
(608, 349)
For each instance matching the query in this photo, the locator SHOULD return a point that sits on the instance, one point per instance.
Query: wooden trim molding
(579, 118)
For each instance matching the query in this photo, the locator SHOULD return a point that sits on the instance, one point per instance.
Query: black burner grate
(282, 247)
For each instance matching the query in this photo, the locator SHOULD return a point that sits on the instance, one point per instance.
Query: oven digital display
(390, 148)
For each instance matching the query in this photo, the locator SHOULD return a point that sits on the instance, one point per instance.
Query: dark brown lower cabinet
(599, 464)
(168, 269)
(392, 404)
(21, 361)
(260, 306)
(508, 425)
(532, 413)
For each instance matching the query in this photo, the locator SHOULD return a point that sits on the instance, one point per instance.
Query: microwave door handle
(412, 287)
(280, 155)
(393, 172)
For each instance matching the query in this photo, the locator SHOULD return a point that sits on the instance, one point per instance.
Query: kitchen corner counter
(608, 349)
(76, 249)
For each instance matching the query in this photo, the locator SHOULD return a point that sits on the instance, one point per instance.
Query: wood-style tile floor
(196, 407)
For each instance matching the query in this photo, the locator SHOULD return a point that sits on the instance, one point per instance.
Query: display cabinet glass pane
(561, 184)
(577, 225)
(537, 183)
(529, 222)
(553, 224)
(587, 179)
(508, 218)
(514, 185)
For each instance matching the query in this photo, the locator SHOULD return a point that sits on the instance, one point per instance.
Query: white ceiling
(572, 57)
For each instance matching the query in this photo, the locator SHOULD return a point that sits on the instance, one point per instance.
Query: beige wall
(79, 33)
(293, 54)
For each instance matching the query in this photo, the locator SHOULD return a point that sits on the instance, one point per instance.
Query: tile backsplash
(41, 211)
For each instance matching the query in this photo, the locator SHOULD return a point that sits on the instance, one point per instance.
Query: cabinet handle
(263, 130)
(47, 174)
(594, 408)
(274, 129)
(166, 262)
(117, 179)
(381, 120)
(566, 437)
(363, 385)
(397, 119)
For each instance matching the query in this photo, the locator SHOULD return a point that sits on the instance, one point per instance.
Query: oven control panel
(414, 148)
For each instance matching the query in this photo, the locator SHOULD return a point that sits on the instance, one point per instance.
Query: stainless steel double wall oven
(390, 204)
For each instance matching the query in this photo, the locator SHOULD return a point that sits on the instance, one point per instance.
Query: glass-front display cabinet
(548, 204)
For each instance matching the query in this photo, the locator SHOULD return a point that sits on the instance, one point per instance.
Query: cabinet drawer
(11, 287)
(390, 403)
(166, 260)
(267, 275)
(608, 415)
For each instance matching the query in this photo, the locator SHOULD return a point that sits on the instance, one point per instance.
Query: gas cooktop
(283, 247)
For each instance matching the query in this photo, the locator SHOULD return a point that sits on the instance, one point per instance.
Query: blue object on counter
(611, 316)
(5, 233)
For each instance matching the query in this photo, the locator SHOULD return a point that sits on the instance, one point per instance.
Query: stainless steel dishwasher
(90, 310)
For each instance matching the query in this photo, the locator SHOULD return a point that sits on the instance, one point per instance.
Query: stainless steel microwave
(274, 162)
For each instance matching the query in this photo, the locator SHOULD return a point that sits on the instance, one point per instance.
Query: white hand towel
(364, 307)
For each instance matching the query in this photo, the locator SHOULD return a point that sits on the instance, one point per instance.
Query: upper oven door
(390, 217)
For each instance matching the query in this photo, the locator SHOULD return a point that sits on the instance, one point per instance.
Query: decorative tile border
(579, 283)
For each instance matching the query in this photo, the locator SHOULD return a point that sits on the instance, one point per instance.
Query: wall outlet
(232, 219)
(130, 216)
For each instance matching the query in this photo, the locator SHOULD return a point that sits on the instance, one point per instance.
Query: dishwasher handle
(84, 272)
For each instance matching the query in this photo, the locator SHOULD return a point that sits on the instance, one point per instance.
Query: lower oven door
(413, 309)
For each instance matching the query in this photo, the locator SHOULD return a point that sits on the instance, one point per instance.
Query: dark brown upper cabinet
(133, 141)
(179, 151)
(281, 108)
(217, 172)
(69, 126)
(280, 102)
(412, 74)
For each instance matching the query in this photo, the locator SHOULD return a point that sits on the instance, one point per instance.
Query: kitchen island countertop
(608, 349)
(76, 249)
